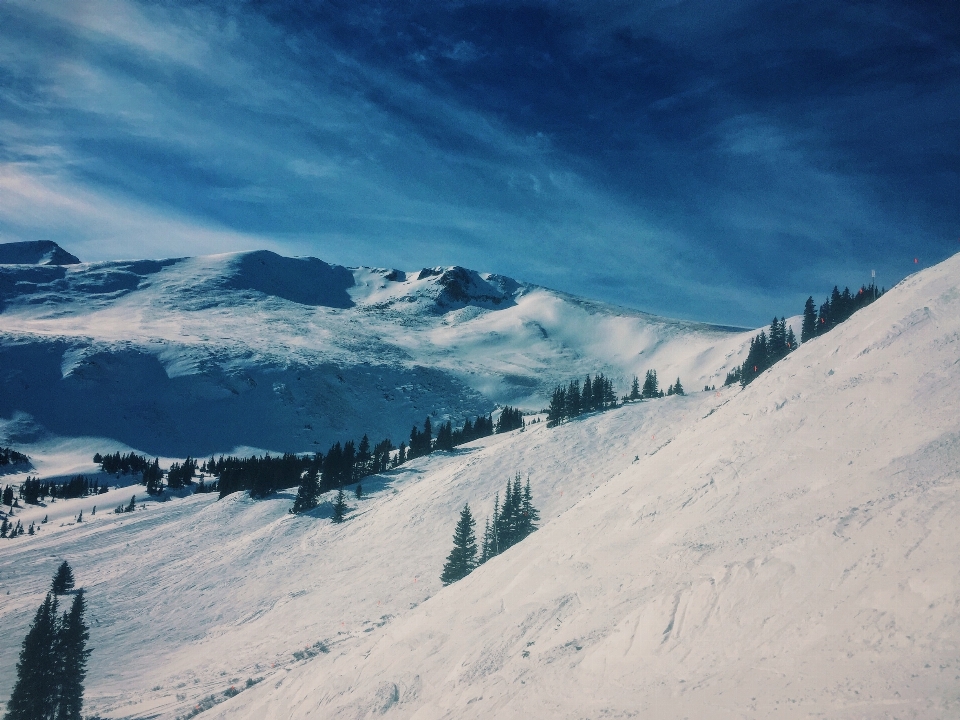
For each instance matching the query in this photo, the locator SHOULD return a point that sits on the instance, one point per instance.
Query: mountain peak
(35, 252)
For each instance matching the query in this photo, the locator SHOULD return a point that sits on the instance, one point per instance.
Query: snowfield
(202, 355)
(789, 550)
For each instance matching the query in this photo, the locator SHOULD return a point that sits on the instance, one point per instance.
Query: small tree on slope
(63, 580)
(463, 558)
(339, 507)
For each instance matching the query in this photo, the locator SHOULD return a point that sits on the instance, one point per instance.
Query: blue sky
(713, 161)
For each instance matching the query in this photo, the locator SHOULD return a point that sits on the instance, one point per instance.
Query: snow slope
(788, 549)
(792, 553)
(202, 355)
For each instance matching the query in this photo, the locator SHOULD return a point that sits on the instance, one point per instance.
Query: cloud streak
(692, 161)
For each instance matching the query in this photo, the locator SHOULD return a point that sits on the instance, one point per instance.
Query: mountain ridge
(316, 352)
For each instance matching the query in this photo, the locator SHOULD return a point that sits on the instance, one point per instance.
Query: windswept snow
(784, 550)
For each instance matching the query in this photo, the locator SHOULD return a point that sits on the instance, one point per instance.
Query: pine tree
(308, 493)
(558, 407)
(62, 580)
(72, 653)
(650, 385)
(339, 507)
(791, 340)
(634, 389)
(808, 330)
(34, 695)
(463, 558)
(678, 388)
(359, 491)
(573, 407)
(487, 548)
(529, 516)
(132, 505)
(363, 456)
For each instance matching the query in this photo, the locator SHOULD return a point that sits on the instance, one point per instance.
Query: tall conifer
(463, 558)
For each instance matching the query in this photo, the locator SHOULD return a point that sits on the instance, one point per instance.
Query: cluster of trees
(129, 507)
(179, 475)
(651, 388)
(9, 456)
(261, 476)
(779, 340)
(448, 438)
(9, 530)
(33, 490)
(118, 464)
(511, 523)
(571, 401)
(511, 418)
(347, 464)
(766, 349)
(835, 309)
(53, 658)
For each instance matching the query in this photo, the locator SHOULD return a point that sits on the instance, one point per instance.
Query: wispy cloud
(722, 161)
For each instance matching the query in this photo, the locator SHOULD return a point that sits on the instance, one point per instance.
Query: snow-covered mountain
(204, 355)
(788, 549)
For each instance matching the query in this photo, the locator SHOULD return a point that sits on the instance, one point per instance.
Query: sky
(701, 160)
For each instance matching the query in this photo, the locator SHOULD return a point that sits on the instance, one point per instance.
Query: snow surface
(201, 355)
(788, 549)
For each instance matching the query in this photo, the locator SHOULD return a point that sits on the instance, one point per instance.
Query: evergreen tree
(445, 436)
(651, 387)
(463, 558)
(133, 504)
(809, 328)
(678, 388)
(427, 436)
(363, 456)
(824, 321)
(339, 507)
(34, 695)
(72, 653)
(529, 516)
(62, 580)
(573, 406)
(791, 340)
(634, 389)
(487, 549)
(359, 491)
(558, 407)
(308, 492)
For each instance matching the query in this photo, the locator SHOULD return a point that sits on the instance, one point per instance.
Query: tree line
(347, 464)
(511, 523)
(33, 490)
(53, 658)
(779, 340)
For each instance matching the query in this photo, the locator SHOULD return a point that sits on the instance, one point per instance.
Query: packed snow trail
(792, 554)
